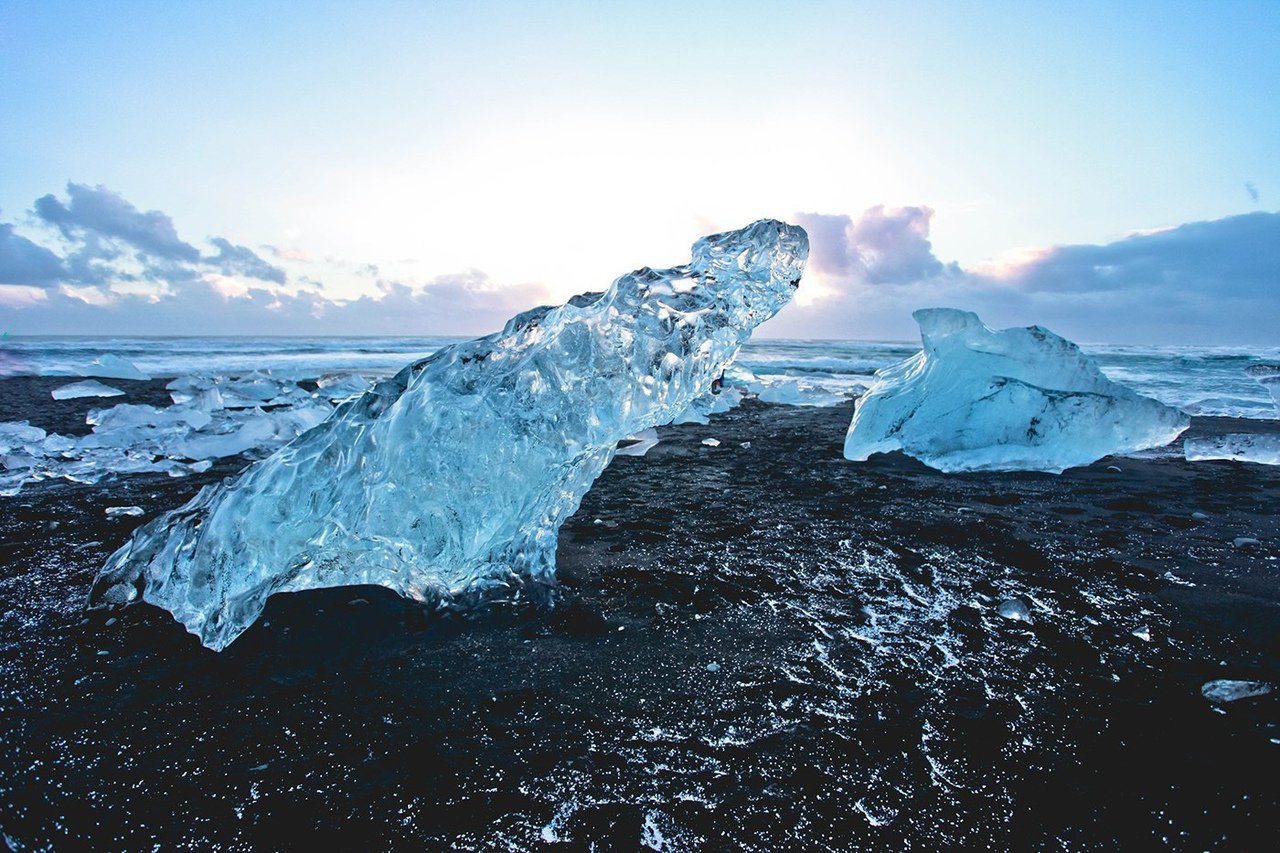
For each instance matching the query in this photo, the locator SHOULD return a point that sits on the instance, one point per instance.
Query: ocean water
(1201, 380)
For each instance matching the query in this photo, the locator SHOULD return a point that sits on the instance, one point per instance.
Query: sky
(1107, 170)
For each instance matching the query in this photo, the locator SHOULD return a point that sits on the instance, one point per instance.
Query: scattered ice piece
(110, 366)
(1142, 632)
(1238, 447)
(1225, 690)
(710, 403)
(87, 388)
(117, 511)
(14, 434)
(746, 445)
(56, 444)
(1244, 542)
(1114, 469)
(975, 399)
(457, 472)
(339, 387)
(713, 667)
(1200, 516)
(1014, 610)
(250, 434)
(711, 442)
(638, 444)
(11, 484)
(794, 392)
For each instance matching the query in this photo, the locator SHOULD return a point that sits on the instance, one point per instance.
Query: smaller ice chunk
(795, 392)
(1014, 609)
(638, 444)
(87, 388)
(127, 416)
(14, 434)
(711, 442)
(57, 444)
(11, 483)
(110, 366)
(1223, 690)
(1237, 447)
(254, 431)
(975, 399)
(338, 387)
(118, 511)
(198, 391)
(711, 403)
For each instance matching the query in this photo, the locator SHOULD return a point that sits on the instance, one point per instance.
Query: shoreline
(865, 689)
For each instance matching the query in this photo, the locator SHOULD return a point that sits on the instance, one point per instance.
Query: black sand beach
(758, 645)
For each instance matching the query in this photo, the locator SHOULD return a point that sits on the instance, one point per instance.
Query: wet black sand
(762, 647)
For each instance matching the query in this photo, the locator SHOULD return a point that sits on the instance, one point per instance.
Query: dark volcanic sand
(765, 647)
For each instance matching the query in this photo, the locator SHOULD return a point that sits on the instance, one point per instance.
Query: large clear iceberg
(975, 399)
(455, 474)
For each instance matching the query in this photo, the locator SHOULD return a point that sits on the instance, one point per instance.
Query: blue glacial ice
(454, 475)
(111, 366)
(1259, 448)
(87, 388)
(975, 399)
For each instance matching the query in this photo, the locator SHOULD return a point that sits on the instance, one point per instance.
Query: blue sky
(424, 168)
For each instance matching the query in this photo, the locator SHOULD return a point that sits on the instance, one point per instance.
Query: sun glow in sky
(553, 146)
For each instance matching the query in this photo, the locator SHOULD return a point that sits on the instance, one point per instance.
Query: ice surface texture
(455, 474)
(1018, 399)
(1238, 447)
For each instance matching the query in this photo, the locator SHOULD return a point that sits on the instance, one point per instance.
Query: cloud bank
(1211, 282)
(115, 269)
(96, 263)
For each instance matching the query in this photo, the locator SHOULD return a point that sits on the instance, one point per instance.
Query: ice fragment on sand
(15, 434)
(117, 511)
(794, 392)
(975, 399)
(456, 474)
(1238, 447)
(711, 442)
(88, 388)
(638, 444)
(339, 387)
(1244, 542)
(113, 367)
(1014, 610)
(710, 403)
(1225, 690)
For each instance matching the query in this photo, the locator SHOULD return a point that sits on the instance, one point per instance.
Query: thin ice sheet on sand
(1237, 447)
(87, 388)
(975, 399)
(455, 474)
